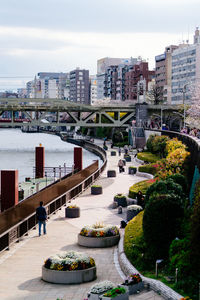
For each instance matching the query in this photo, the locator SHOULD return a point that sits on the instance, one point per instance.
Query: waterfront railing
(20, 219)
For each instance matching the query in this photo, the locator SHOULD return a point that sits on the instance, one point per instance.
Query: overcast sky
(60, 35)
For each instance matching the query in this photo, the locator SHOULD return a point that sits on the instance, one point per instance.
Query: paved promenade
(20, 268)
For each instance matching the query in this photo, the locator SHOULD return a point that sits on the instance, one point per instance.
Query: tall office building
(186, 71)
(79, 86)
(163, 72)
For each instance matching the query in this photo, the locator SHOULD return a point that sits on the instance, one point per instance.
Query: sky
(60, 35)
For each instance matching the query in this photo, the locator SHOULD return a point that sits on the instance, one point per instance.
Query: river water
(17, 151)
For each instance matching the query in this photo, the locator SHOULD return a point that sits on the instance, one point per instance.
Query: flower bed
(69, 267)
(139, 186)
(100, 288)
(134, 283)
(99, 236)
(148, 157)
(132, 211)
(118, 293)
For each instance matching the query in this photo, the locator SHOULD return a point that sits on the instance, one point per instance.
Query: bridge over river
(54, 113)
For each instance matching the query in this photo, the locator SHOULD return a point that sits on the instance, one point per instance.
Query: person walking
(119, 151)
(41, 215)
(121, 166)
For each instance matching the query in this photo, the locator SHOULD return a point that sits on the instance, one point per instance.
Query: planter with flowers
(72, 211)
(96, 189)
(98, 236)
(118, 293)
(134, 283)
(99, 289)
(121, 200)
(69, 267)
(132, 211)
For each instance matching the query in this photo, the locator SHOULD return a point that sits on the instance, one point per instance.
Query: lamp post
(184, 91)
(158, 261)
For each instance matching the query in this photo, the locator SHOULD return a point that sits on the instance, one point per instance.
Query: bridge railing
(17, 221)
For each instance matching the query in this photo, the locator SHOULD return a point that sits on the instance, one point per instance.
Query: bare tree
(193, 112)
(155, 95)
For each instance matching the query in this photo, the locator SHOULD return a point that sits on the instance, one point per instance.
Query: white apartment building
(185, 71)
(102, 65)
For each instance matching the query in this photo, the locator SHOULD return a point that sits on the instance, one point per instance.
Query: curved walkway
(20, 268)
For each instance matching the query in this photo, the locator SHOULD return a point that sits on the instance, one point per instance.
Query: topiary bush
(167, 186)
(157, 144)
(162, 223)
(180, 179)
(139, 186)
(148, 157)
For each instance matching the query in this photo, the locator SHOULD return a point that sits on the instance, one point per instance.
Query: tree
(155, 95)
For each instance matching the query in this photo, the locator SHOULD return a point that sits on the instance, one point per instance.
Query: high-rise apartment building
(185, 71)
(79, 86)
(163, 72)
(137, 79)
(102, 66)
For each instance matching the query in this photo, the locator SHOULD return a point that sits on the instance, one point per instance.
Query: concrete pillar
(78, 158)
(9, 189)
(39, 162)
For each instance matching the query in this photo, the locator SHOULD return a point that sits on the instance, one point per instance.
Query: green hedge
(134, 236)
(140, 186)
(148, 157)
(150, 168)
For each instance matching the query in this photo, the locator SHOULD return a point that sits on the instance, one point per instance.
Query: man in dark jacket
(41, 217)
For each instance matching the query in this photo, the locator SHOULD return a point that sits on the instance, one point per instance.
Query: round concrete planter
(111, 173)
(113, 153)
(72, 212)
(96, 190)
(132, 170)
(68, 277)
(98, 242)
(121, 201)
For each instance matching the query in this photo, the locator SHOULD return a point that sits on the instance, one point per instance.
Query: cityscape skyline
(81, 33)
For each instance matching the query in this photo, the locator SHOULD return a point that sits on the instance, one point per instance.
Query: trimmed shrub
(148, 157)
(133, 240)
(140, 186)
(174, 144)
(167, 186)
(180, 179)
(150, 168)
(157, 144)
(161, 224)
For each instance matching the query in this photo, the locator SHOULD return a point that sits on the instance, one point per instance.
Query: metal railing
(17, 221)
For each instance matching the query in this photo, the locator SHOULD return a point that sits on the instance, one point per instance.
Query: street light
(184, 91)
(158, 261)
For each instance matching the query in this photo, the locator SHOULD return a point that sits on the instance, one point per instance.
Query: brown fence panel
(27, 207)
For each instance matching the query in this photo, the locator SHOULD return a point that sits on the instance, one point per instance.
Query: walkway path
(20, 268)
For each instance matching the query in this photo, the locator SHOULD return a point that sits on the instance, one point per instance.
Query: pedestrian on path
(121, 166)
(41, 215)
(119, 151)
